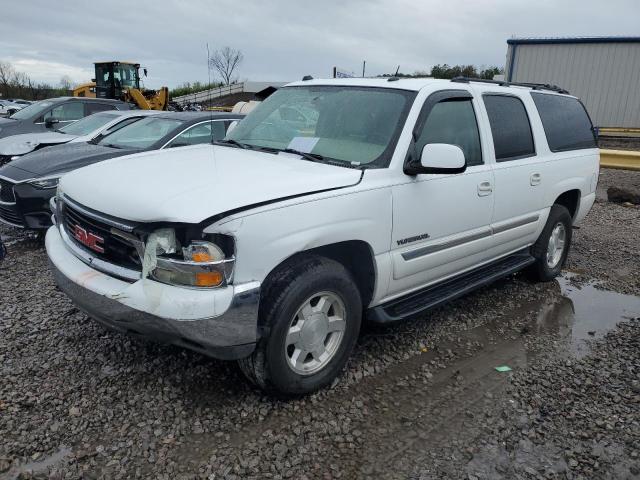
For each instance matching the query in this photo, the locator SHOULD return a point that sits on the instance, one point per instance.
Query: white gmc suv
(332, 203)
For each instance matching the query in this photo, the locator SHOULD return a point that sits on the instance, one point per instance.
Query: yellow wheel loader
(121, 81)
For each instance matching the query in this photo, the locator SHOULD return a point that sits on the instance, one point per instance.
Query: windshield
(88, 124)
(357, 125)
(141, 134)
(32, 110)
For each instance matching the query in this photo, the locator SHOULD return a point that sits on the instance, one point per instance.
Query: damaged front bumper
(221, 323)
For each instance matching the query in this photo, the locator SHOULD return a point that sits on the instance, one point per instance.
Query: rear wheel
(552, 247)
(312, 310)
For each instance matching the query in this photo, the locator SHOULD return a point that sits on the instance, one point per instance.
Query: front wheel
(312, 311)
(552, 247)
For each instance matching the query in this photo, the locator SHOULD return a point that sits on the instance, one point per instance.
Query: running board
(433, 296)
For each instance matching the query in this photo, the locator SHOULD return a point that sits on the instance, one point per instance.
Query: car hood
(192, 184)
(58, 159)
(28, 142)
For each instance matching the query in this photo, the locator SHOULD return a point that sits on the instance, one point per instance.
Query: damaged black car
(28, 183)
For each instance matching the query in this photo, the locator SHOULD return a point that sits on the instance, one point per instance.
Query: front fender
(264, 239)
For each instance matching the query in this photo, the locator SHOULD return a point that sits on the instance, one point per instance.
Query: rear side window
(94, 107)
(510, 127)
(566, 123)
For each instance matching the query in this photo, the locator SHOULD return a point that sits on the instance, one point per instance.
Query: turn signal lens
(199, 268)
(201, 257)
(201, 251)
(208, 279)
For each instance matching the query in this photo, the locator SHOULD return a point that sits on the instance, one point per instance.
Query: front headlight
(45, 183)
(201, 263)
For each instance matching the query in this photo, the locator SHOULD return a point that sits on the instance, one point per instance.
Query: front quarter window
(198, 134)
(355, 125)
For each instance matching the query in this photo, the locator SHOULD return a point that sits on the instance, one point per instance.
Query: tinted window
(565, 121)
(510, 127)
(453, 122)
(94, 107)
(67, 112)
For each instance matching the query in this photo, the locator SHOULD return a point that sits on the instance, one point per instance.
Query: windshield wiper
(316, 157)
(233, 143)
(112, 145)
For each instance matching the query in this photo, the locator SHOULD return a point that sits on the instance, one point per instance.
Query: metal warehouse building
(604, 72)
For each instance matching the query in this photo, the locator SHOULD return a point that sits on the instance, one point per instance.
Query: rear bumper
(220, 323)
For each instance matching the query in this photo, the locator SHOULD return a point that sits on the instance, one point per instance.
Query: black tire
(540, 270)
(283, 295)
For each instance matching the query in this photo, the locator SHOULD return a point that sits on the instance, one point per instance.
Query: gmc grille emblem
(88, 239)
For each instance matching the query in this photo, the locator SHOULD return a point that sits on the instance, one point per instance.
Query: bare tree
(6, 75)
(225, 61)
(66, 83)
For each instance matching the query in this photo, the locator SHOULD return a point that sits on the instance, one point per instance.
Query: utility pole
(364, 64)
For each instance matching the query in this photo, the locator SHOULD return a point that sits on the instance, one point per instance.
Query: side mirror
(50, 122)
(232, 125)
(438, 158)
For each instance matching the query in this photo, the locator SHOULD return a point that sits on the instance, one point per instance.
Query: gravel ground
(420, 400)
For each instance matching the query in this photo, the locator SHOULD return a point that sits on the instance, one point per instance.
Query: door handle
(535, 179)
(484, 189)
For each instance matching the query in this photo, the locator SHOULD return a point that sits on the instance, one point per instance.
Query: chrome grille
(117, 250)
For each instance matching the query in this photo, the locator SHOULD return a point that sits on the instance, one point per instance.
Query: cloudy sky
(286, 39)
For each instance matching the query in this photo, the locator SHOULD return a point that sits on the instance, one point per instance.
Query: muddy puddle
(447, 392)
(585, 312)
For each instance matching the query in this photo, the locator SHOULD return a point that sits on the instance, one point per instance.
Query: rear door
(441, 222)
(518, 171)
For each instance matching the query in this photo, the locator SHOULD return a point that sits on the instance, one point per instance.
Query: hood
(192, 184)
(58, 159)
(28, 142)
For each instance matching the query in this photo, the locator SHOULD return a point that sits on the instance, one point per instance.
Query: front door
(441, 223)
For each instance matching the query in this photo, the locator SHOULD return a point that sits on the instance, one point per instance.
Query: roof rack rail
(504, 83)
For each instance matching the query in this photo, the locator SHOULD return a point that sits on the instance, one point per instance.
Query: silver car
(83, 130)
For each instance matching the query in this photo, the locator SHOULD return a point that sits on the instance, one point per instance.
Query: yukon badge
(404, 241)
(88, 239)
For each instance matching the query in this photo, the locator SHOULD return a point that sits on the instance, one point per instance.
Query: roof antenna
(397, 70)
